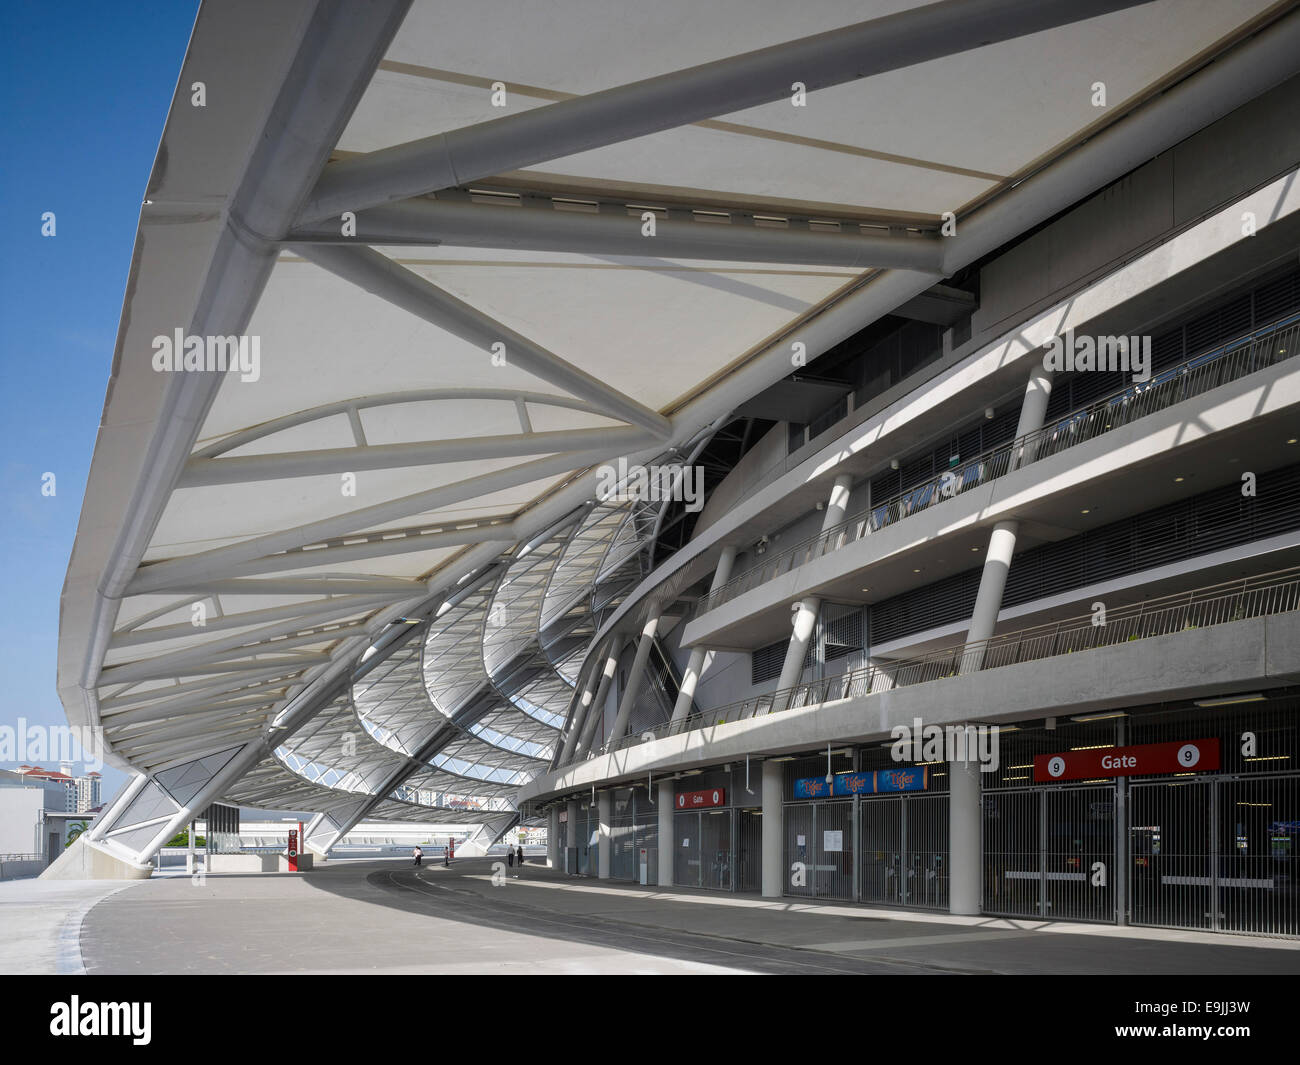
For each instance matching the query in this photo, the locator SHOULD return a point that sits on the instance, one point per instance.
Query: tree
(76, 829)
(182, 839)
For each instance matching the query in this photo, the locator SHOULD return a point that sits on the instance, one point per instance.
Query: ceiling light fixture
(1230, 700)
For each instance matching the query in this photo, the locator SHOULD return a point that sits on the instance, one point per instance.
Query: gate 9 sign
(1181, 756)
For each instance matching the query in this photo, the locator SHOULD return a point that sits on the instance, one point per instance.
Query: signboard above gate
(912, 778)
(695, 800)
(1181, 756)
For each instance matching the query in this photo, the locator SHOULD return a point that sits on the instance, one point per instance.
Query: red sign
(293, 850)
(694, 800)
(1181, 756)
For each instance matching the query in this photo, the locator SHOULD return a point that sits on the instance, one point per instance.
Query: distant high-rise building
(88, 793)
(83, 793)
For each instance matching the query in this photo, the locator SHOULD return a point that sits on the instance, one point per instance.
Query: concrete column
(604, 803)
(773, 830)
(988, 600)
(965, 846)
(189, 850)
(695, 665)
(1002, 541)
(572, 844)
(597, 709)
(666, 852)
(635, 677)
(805, 621)
(837, 506)
(553, 859)
(1032, 411)
(805, 618)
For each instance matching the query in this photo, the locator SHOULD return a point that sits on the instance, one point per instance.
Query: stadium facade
(845, 454)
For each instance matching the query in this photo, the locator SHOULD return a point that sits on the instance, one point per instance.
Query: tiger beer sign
(1181, 756)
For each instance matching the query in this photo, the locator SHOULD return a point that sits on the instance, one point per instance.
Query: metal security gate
(715, 849)
(1216, 853)
(1050, 852)
(904, 848)
(623, 859)
(702, 849)
(588, 828)
(819, 850)
(686, 850)
(749, 850)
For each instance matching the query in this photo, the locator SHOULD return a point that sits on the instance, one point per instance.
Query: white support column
(988, 601)
(773, 830)
(189, 850)
(105, 818)
(695, 665)
(805, 621)
(597, 709)
(1002, 541)
(665, 807)
(805, 618)
(572, 842)
(837, 506)
(635, 677)
(553, 858)
(604, 803)
(965, 846)
(580, 717)
(1032, 411)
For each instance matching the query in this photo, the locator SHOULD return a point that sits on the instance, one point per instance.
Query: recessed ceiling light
(1084, 511)
(916, 571)
(974, 548)
(1292, 440)
(1178, 480)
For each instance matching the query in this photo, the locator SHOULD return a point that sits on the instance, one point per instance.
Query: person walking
(418, 854)
(520, 857)
(446, 853)
(510, 856)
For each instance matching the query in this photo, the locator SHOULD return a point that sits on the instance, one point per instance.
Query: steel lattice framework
(373, 574)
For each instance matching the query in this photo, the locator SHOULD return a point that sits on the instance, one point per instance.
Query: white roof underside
(899, 148)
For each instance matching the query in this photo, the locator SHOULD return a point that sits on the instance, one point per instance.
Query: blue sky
(84, 93)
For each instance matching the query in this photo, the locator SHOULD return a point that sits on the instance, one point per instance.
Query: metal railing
(1264, 347)
(1218, 604)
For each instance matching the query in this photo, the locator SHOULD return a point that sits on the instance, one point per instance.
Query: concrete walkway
(386, 916)
(40, 922)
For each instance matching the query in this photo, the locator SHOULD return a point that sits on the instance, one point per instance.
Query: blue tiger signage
(875, 782)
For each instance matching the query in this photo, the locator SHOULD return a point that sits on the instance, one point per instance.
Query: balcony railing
(1219, 604)
(1265, 347)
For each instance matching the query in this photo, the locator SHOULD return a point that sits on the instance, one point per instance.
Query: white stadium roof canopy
(457, 317)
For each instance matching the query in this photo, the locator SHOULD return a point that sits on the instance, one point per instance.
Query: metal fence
(1050, 852)
(819, 848)
(1216, 854)
(702, 850)
(1229, 362)
(1251, 597)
